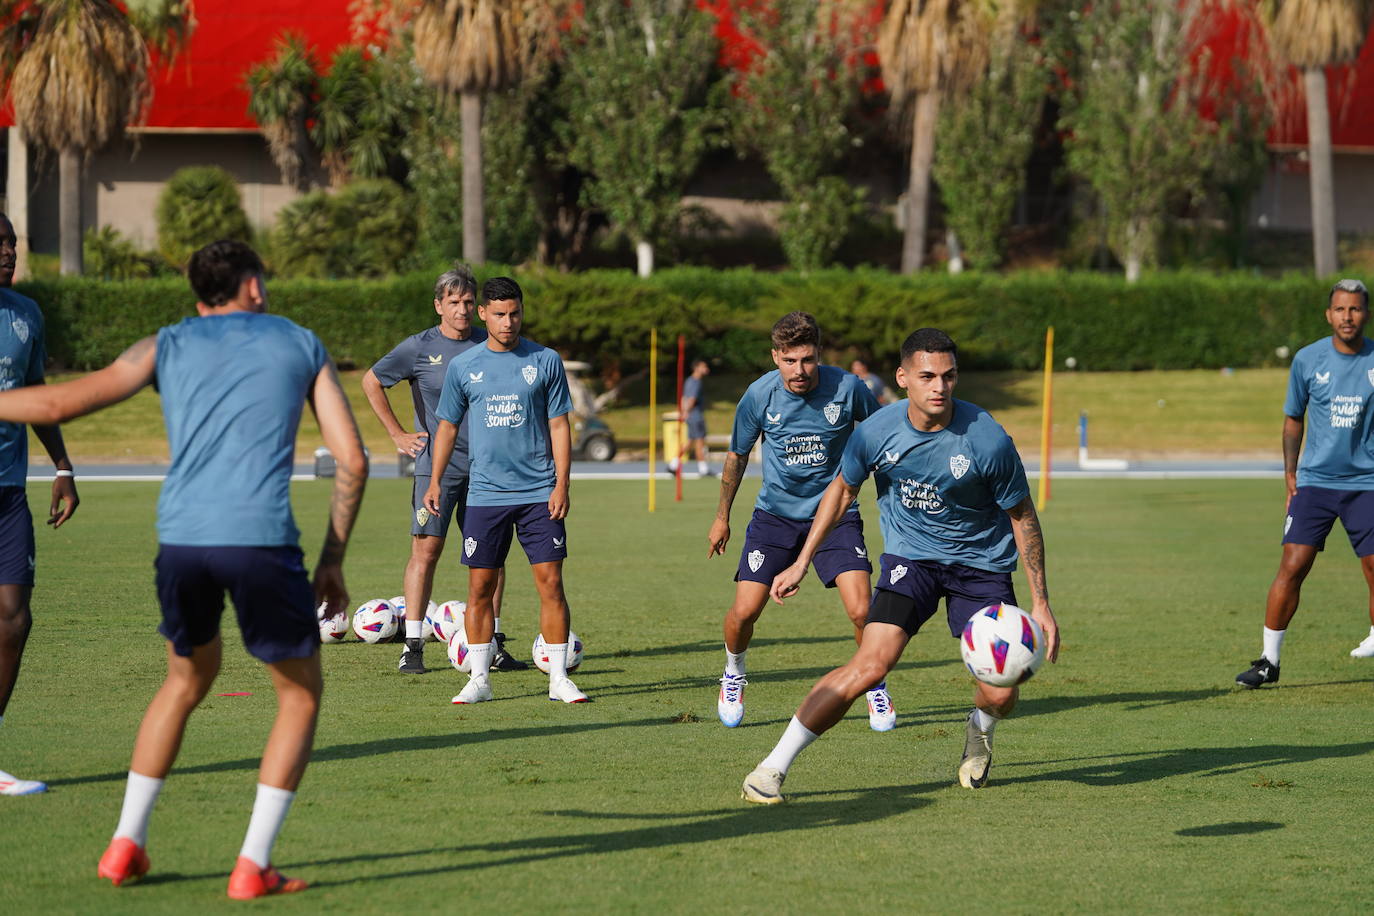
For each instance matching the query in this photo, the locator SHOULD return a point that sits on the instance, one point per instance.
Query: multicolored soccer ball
(541, 656)
(446, 619)
(398, 604)
(374, 621)
(334, 628)
(459, 655)
(1002, 646)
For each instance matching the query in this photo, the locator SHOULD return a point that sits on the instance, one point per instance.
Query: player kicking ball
(805, 413)
(233, 383)
(955, 511)
(520, 442)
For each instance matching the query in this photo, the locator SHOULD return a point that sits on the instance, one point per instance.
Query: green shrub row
(1164, 321)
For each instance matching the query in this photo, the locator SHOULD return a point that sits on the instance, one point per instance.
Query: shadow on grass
(714, 646)
(1147, 766)
(1234, 828)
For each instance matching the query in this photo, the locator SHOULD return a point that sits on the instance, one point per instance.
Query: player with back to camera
(1332, 382)
(955, 511)
(23, 352)
(805, 413)
(233, 382)
(693, 409)
(516, 392)
(422, 359)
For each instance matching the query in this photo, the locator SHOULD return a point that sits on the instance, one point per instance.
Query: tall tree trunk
(1319, 161)
(474, 205)
(644, 257)
(17, 200)
(918, 181)
(69, 210)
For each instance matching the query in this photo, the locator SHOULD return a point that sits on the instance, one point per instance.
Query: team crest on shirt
(529, 374)
(897, 572)
(469, 545)
(21, 329)
(958, 466)
(755, 560)
(421, 516)
(1370, 373)
(832, 412)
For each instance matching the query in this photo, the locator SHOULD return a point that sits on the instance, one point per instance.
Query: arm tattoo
(343, 510)
(730, 476)
(1033, 554)
(138, 350)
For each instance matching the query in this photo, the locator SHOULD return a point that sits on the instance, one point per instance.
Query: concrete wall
(1283, 199)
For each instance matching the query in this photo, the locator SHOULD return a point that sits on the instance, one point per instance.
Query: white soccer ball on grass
(374, 621)
(446, 619)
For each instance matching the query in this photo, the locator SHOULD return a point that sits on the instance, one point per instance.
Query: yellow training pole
(653, 409)
(1044, 489)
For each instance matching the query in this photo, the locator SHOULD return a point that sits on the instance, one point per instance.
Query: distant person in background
(1332, 383)
(691, 408)
(422, 360)
(881, 393)
(22, 354)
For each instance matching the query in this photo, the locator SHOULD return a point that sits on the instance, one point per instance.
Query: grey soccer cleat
(977, 759)
(764, 786)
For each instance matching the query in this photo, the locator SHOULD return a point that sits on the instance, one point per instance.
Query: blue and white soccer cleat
(730, 706)
(12, 785)
(881, 715)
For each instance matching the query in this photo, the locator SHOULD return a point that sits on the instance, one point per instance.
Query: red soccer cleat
(249, 880)
(123, 861)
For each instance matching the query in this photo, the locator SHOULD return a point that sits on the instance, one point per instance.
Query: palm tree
(929, 49)
(1313, 35)
(467, 48)
(280, 93)
(77, 75)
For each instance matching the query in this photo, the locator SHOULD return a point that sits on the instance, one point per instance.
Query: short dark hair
(500, 288)
(796, 329)
(928, 340)
(218, 270)
(458, 280)
(1348, 286)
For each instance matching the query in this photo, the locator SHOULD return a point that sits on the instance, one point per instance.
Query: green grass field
(1134, 777)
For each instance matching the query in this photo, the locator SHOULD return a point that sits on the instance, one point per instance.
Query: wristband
(64, 473)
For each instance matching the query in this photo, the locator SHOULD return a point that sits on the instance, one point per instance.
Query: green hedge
(1165, 321)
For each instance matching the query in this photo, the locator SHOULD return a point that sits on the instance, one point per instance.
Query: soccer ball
(1002, 646)
(332, 629)
(446, 619)
(459, 654)
(398, 604)
(374, 621)
(541, 658)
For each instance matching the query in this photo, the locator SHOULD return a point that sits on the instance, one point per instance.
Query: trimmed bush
(1164, 321)
(367, 229)
(199, 205)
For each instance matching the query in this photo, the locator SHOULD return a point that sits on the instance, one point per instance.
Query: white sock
(985, 722)
(734, 662)
(140, 794)
(558, 660)
(415, 629)
(794, 741)
(496, 628)
(1273, 642)
(481, 660)
(269, 810)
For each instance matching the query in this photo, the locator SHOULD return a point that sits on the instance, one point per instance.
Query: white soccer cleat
(565, 690)
(1365, 649)
(730, 705)
(764, 786)
(977, 759)
(11, 785)
(478, 690)
(882, 717)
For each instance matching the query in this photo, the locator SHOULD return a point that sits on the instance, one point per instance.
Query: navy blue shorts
(1313, 510)
(908, 592)
(488, 535)
(272, 597)
(696, 425)
(16, 538)
(771, 544)
(453, 500)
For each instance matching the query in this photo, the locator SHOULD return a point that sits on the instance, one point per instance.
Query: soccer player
(233, 382)
(691, 408)
(805, 413)
(22, 354)
(521, 445)
(955, 511)
(881, 393)
(422, 359)
(1331, 381)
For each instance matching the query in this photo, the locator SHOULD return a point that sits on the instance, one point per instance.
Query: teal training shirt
(232, 388)
(22, 355)
(1335, 390)
(943, 495)
(804, 436)
(511, 396)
